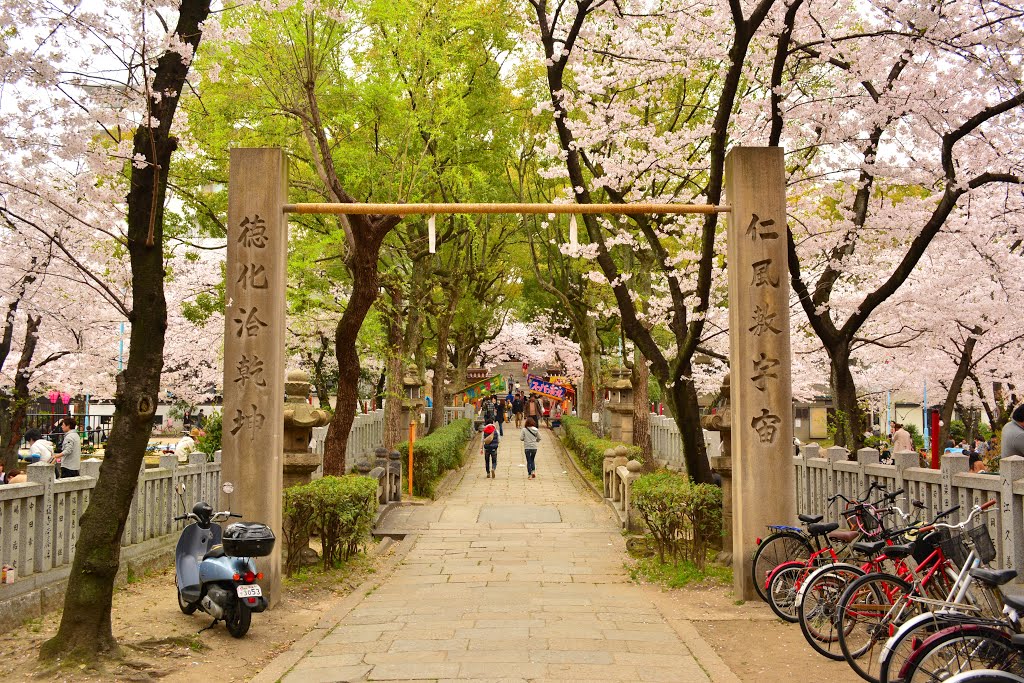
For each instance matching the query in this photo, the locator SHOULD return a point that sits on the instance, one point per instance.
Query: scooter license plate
(253, 591)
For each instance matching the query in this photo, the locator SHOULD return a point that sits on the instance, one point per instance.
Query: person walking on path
(500, 411)
(517, 410)
(71, 449)
(1013, 434)
(530, 436)
(901, 440)
(491, 440)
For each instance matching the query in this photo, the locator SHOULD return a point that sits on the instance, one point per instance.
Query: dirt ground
(161, 643)
(750, 639)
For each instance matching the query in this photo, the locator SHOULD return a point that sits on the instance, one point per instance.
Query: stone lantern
(412, 402)
(620, 405)
(299, 419)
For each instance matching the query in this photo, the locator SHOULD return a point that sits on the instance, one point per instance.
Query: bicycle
(959, 599)
(787, 543)
(785, 580)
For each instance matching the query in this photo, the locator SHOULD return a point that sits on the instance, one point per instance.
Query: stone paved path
(509, 579)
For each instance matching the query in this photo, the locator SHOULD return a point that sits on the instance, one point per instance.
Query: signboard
(538, 386)
(495, 384)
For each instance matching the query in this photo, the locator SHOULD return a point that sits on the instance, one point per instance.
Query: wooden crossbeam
(432, 209)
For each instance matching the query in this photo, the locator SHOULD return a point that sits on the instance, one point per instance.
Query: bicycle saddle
(845, 536)
(868, 547)
(810, 519)
(993, 577)
(822, 529)
(900, 550)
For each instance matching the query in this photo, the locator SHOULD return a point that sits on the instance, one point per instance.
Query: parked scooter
(214, 568)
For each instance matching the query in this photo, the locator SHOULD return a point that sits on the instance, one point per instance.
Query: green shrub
(340, 510)
(684, 518)
(434, 455)
(589, 447)
(213, 428)
(915, 436)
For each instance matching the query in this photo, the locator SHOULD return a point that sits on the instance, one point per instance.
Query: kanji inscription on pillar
(254, 319)
(759, 355)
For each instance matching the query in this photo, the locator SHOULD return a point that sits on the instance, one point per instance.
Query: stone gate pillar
(254, 318)
(759, 352)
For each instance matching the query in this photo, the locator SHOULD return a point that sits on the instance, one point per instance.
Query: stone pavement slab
(506, 579)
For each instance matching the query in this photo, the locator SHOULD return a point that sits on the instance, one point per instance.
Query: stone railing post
(42, 532)
(902, 461)
(395, 474)
(950, 465)
(832, 456)
(865, 457)
(1011, 469)
(164, 520)
(633, 521)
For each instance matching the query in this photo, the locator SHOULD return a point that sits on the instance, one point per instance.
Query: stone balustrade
(619, 475)
(821, 474)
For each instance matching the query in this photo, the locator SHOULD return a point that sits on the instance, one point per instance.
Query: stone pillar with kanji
(254, 320)
(759, 352)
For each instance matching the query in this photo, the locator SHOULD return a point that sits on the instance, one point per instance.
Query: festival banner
(495, 384)
(539, 386)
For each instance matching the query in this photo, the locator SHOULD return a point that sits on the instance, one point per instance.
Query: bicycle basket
(925, 545)
(982, 540)
(954, 549)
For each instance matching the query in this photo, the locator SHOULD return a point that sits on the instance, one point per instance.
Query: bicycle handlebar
(975, 511)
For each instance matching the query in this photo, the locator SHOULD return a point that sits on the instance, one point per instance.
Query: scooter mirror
(228, 488)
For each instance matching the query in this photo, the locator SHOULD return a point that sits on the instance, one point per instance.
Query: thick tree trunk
(85, 628)
(365, 287)
(682, 400)
(590, 352)
(15, 406)
(962, 370)
(640, 377)
(848, 417)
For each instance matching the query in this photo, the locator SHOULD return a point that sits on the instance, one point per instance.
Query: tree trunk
(640, 377)
(15, 406)
(682, 400)
(962, 370)
(368, 235)
(85, 628)
(590, 351)
(848, 418)
(393, 386)
(444, 326)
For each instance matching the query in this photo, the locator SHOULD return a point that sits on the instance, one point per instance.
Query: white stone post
(759, 352)
(254, 319)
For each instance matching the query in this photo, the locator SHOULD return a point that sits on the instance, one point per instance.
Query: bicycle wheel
(782, 546)
(958, 649)
(910, 636)
(783, 588)
(867, 609)
(816, 606)
(986, 676)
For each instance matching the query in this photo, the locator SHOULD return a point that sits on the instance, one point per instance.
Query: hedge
(590, 448)
(341, 510)
(684, 518)
(435, 454)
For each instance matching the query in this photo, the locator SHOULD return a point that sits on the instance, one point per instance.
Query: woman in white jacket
(530, 436)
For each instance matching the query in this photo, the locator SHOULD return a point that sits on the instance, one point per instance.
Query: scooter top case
(196, 542)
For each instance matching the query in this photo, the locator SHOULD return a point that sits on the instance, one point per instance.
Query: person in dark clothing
(500, 410)
(517, 410)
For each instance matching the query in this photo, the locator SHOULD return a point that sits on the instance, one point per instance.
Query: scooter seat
(214, 552)
(993, 577)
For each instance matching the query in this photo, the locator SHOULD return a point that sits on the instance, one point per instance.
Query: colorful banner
(493, 385)
(538, 386)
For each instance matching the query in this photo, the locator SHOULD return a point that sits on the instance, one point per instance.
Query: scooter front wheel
(237, 620)
(185, 606)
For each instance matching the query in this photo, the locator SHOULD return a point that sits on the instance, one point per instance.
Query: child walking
(530, 436)
(490, 445)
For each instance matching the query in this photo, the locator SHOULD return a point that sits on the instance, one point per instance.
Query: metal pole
(888, 409)
(924, 413)
(120, 351)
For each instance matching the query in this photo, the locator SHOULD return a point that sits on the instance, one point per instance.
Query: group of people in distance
(496, 411)
(67, 461)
